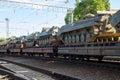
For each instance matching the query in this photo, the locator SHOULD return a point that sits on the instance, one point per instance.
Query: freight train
(95, 36)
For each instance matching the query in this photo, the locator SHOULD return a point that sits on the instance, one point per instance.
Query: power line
(64, 1)
(34, 4)
(31, 5)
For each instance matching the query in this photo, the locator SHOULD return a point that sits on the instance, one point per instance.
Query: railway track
(8, 74)
(61, 69)
(107, 63)
(40, 74)
(22, 73)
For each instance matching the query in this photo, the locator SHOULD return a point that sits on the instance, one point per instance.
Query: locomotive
(95, 36)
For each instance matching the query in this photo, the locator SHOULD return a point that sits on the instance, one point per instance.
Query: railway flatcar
(15, 45)
(94, 36)
(43, 40)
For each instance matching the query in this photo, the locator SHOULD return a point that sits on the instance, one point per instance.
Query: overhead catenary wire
(64, 1)
(35, 4)
(31, 5)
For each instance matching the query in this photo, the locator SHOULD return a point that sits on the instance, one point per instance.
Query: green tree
(2, 39)
(84, 7)
(68, 18)
(12, 37)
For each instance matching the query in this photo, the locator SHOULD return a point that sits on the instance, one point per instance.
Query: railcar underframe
(71, 51)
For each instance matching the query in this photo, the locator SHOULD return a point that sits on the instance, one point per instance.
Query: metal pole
(71, 12)
(7, 27)
(71, 16)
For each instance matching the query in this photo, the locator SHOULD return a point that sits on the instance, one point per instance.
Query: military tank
(47, 36)
(93, 28)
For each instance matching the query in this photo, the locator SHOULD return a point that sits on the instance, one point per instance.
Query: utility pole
(71, 12)
(7, 28)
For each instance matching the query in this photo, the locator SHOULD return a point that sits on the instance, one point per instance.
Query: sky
(25, 19)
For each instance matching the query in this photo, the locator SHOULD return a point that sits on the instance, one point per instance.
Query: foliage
(67, 19)
(13, 37)
(3, 39)
(84, 7)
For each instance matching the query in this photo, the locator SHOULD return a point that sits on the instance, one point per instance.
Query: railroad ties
(60, 69)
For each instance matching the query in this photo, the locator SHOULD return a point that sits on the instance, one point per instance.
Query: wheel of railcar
(48, 55)
(71, 57)
(74, 57)
(100, 58)
(42, 55)
(51, 55)
(39, 54)
(81, 58)
(32, 54)
(21, 53)
(65, 56)
(88, 57)
(28, 54)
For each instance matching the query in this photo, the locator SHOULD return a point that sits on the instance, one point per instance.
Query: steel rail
(56, 76)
